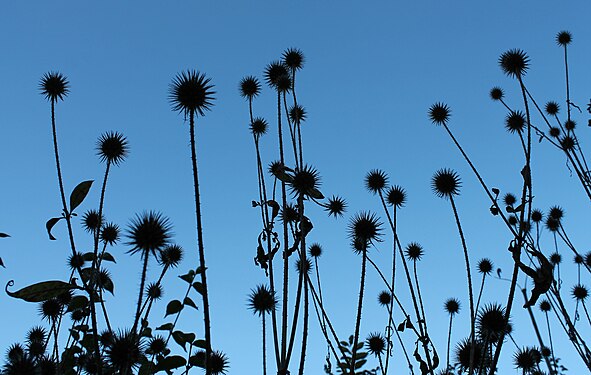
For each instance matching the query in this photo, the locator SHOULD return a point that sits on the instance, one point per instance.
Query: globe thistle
(496, 93)
(14, 352)
(47, 366)
(580, 292)
(452, 306)
(446, 183)
(154, 291)
(527, 359)
(365, 228)
(515, 122)
(463, 352)
(545, 306)
(570, 125)
(414, 251)
(112, 147)
(376, 181)
(485, 266)
(304, 266)
(21, 365)
(512, 220)
(439, 113)
(552, 224)
(536, 215)
(556, 213)
(106, 338)
(554, 132)
(396, 196)
(91, 221)
(376, 343)
(50, 309)
(564, 38)
(567, 143)
(36, 348)
(578, 259)
(297, 114)
(262, 300)
(156, 345)
(191, 93)
(315, 250)
(546, 352)
(491, 322)
(125, 352)
(171, 256)
(552, 108)
(509, 199)
(258, 126)
(275, 73)
(306, 181)
(65, 297)
(110, 234)
(336, 206)
(277, 169)
(250, 87)
(289, 213)
(293, 58)
(555, 258)
(514, 63)
(217, 363)
(385, 298)
(148, 233)
(54, 86)
(76, 261)
(36, 334)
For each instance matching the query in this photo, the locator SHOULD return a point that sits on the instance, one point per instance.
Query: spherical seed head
(305, 181)
(276, 168)
(485, 266)
(274, 73)
(106, 338)
(297, 114)
(527, 359)
(376, 343)
(289, 214)
(537, 215)
(293, 58)
(283, 83)
(14, 352)
(515, 122)
(315, 250)
(481, 358)
(36, 349)
(218, 363)
(125, 352)
(509, 199)
(384, 298)
(304, 266)
(554, 132)
(496, 93)
(546, 352)
(580, 292)
(578, 259)
(446, 183)
(365, 228)
(452, 306)
(110, 233)
(112, 147)
(555, 258)
(414, 251)
(250, 87)
(91, 221)
(36, 334)
(76, 261)
(21, 365)
(564, 38)
(514, 63)
(65, 297)
(491, 323)
(396, 196)
(54, 86)
(556, 213)
(156, 345)
(552, 108)
(552, 224)
(148, 233)
(50, 309)
(258, 126)
(545, 306)
(376, 180)
(171, 256)
(262, 300)
(512, 220)
(336, 206)
(570, 125)
(439, 113)
(191, 93)
(154, 291)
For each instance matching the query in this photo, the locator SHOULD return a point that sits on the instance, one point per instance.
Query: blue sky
(371, 73)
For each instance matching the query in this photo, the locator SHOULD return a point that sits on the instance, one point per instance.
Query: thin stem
(359, 308)
(136, 319)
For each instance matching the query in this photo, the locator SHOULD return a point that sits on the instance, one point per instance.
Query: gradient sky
(372, 70)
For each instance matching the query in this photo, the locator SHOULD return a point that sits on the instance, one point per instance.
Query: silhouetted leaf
(41, 291)
(315, 193)
(2, 263)
(409, 324)
(107, 284)
(79, 193)
(147, 368)
(4, 235)
(200, 344)
(275, 208)
(146, 332)
(165, 327)
(495, 191)
(182, 338)
(197, 360)
(401, 327)
(198, 287)
(358, 364)
(108, 257)
(173, 307)
(88, 257)
(170, 363)
(188, 301)
(49, 225)
(77, 302)
(188, 277)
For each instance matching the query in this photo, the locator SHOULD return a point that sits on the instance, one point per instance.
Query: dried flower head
(250, 87)
(537, 215)
(514, 63)
(171, 256)
(515, 122)
(306, 181)
(191, 93)
(36, 334)
(376, 343)
(439, 113)
(376, 181)
(110, 233)
(275, 72)
(154, 291)
(293, 58)
(125, 353)
(545, 306)
(485, 266)
(570, 125)
(289, 214)
(580, 292)
(262, 300)
(446, 183)
(527, 359)
(452, 306)
(552, 224)
(76, 261)
(555, 258)
(336, 206)
(156, 345)
(567, 143)
(148, 233)
(496, 93)
(218, 363)
(385, 298)
(414, 251)
(564, 38)
(554, 132)
(297, 114)
(303, 266)
(396, 196)
(365, 228)
(54, 86)
(315, 250)
(50, 309)
(578, 259)
(112, 147)
(491, 323)
(509, 199)
(91, 220)
(480, 360)
(556, 212)
(258, 126)
(552, 108)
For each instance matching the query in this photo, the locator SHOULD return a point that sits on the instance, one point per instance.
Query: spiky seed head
(384, 298)
(125, 353)
(47, 366)
(297, 114)
(567, 143)
(154, 291)
(439, 113)
(50, 309)
(570, 125)
(555, 258)
(514, 63)
(365, 229)
(480, 359)
(191, 93)
(396, 196)
(148, 233)
(414, 251)
(106, 338)
(54, 86)
(250, 87)
(515, 122)
(258, 126)
(452, 306)
(512, 220)
(36, 334)
(91, 221)
(580, 292)
(110, 233)
(274, 73)
(578, 259)
(315, 250)
(36, 349)
(552, 108)
(552, 224)
(218, 363)
(284, 84)
(171, 256)
(546, 352)
(485, 266)
(496, 93)
(289, 214)
(156, 345)
(14, 352)
(554, 132)
(376, 343)
(527, 359)
(556, 212)
(336, 206)
(446, 183)
(491, 323)
(21, 365)
(536, 215)
(293, 58)
(376, 181)
(564, 38)
(112, 147)
(305, 181)
(509, 199)
(545, 306)
(262, 300)
(65, 297)
(76, 261)
(276, 168)
(304, 266)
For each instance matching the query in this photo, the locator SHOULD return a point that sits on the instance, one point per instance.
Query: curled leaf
(50, 224)
(41, 291)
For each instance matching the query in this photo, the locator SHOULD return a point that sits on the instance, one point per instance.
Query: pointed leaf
(146, 332)
(79, 193)
(107, 284)
(198, 287)
(189, 302)
(200, 344)
(165, 327)
(189, 276)
(49, 225)
(315, 193)
(401, 327)
(4, 235)
(173, 307)
(2, 263)
(108, 257)
(41, 291)
(197, 360)
(170, 363)
(88, 257)
(409, 324)
(77, 302)
(179, 338)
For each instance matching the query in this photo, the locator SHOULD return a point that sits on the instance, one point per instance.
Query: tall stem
(359, 308)
(136, 319)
